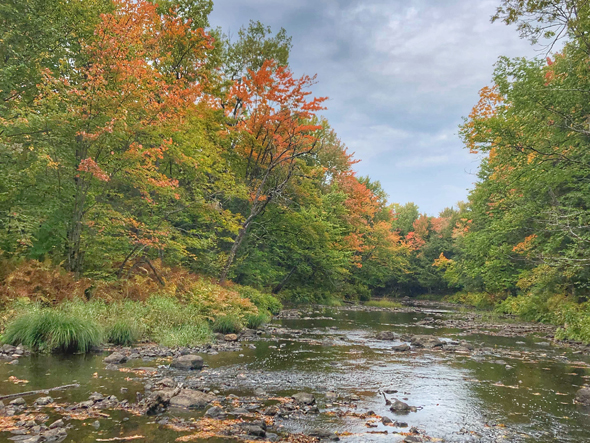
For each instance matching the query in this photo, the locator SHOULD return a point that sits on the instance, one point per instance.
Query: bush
(264, 302)
(227, 324)
(52, 331)
(254, 321)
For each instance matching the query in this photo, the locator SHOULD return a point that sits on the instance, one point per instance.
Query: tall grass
(254, 321)
(227, 324)
(50, 330)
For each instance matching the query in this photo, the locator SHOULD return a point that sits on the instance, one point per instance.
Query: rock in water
(187, 398)
(304, 397)
(583, 396)
(387, 335)
(401, 348)
(188, 362)
(426, 341)
(116, 358)
(400, 406)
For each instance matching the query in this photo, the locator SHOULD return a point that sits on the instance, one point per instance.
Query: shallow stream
(508, 388)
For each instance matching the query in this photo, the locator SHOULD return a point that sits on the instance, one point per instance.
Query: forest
(153, 166)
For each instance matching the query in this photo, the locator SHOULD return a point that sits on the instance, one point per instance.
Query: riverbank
(315, 374)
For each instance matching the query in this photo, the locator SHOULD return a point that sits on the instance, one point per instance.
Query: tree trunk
(75, 257)
(283, 282)
(232, 254)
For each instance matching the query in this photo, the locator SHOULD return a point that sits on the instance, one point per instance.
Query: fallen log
(40, 391)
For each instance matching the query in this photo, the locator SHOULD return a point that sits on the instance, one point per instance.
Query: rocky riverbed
(423, 372)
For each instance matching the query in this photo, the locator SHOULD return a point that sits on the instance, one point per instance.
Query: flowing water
(506, 389)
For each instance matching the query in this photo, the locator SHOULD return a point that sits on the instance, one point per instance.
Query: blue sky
(400, 75)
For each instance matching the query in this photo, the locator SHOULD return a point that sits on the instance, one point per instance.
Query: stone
(331, 395)
(86, 404)
(96, 396)
(18, 402)
(387, 335)
(583, 396)
(230, 337)
(399, 406)
(160, 399)
(115, 358)
(413, 439)
(188, 398)
(42, 401)
(259, 392)
(387, 421)
(324, 434)
(426, 341)
(254, 430)
(304, 397)
(57, 424)
(167, 382)
(215, 412)
(188, 362)
(401, 348)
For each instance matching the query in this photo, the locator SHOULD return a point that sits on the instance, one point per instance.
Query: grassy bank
(64, 314)
(571, 315)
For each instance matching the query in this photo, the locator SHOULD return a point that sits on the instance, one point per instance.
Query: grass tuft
(123, 333)
(52, 331)
(254, 321)
(227, 324)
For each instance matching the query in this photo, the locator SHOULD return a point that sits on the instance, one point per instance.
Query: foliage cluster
(136, 139)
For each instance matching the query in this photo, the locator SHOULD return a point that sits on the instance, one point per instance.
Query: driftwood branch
(40, 391)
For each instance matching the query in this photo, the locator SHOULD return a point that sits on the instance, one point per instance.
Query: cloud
(400, 76)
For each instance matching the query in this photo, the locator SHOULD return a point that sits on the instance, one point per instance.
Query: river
(489, 381)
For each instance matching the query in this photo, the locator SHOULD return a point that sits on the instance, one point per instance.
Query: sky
(400, 76)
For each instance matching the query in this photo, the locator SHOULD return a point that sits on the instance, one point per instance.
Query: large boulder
(426, 341)
(583, 396)
(188, 362)
(304, 398)
(188, 398)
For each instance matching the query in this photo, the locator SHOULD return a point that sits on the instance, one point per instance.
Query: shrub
(264, 302)
(227, 324)
(254, 321)
(49, 330)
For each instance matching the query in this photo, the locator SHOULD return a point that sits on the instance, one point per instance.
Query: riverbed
(475, 379)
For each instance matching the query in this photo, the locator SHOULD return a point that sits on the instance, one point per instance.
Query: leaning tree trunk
(232, 253)
(278, 288)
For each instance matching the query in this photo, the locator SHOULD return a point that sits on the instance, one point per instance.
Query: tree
(271, 122)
